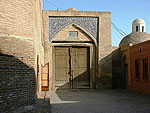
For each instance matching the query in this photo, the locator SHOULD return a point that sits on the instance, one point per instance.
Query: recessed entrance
(72, 67)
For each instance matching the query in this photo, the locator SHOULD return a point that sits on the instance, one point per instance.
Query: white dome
(138, 20)
(138, 25)
(72, 9)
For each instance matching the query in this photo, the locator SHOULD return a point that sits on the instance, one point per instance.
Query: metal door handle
(70, 73)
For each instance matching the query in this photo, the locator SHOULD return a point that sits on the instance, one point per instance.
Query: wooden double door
(72, 67)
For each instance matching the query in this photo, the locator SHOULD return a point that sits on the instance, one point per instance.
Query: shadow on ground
(99, 101)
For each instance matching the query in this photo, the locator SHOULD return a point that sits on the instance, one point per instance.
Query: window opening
(137, 28)
(145, 69)
(137, 69)
(73, 34)
(142, 28)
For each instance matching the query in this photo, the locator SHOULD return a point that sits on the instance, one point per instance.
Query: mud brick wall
(139, 51)
(118, 76)
(17, 76)
(16, 17)
(105, 51)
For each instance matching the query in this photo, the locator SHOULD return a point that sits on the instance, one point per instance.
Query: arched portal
(73, 58)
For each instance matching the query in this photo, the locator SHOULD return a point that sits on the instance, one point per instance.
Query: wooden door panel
(62, 67)
(45, 78)
(80, 68)
(44, 83)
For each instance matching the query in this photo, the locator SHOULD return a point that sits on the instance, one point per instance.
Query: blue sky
(123, 12)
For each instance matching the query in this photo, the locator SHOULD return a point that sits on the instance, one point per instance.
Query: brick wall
(17, 86)
(38, 38)
(16, 17)
(20, 43)
(105, 50)
(140, 51)
(24, 18)
(117, 71)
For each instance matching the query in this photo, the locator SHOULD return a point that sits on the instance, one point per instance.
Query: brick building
(140, 66)
(49, 50)
(135, 58)
(77, 49)
(21, 43)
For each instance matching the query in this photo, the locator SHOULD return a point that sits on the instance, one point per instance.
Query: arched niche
(83, 35)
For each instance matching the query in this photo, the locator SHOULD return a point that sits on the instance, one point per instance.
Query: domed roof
(72, 9)
(134, 38)
(138, 20)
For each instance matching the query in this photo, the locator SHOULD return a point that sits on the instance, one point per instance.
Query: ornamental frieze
(56, 24)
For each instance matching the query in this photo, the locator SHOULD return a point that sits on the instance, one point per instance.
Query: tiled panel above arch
(56, 24)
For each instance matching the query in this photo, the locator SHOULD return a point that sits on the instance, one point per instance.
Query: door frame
(92, 62)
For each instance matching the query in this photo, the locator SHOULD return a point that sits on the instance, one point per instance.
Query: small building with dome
(137, 35)
(135, 58)
(138, 25)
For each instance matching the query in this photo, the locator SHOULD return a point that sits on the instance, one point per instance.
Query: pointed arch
(79, 27)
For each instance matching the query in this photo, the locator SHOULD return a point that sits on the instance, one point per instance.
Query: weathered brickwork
(24, 18)
(125, 60)
(17, 86)
(16, 17)
(20, 47)
(139, 52)
(21, 41)
(105, 50)
(38, 39)
(117, 72)
(129, 54)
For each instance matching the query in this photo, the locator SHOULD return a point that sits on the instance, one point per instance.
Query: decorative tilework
(56, 24)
